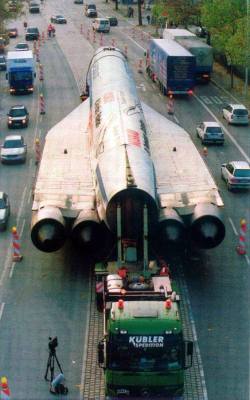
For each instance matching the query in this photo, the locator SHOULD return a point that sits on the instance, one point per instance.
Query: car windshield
(214, 129)
(32, 30)
(12, 144)
(242, 173)
(21, 46)
(147, 356)
(59, 16)
(240, 112)
(16, 112)
(2, 204)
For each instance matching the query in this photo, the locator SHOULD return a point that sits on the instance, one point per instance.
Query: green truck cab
(143, 351)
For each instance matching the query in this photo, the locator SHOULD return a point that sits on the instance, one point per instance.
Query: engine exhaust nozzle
(48, 229)
(207, 228)
(171, 227)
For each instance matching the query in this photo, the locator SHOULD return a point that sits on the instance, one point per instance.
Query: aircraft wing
(64, 178)
(183, 179)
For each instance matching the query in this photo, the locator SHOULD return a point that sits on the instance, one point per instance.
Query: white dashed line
(233, 227)
(1, 310)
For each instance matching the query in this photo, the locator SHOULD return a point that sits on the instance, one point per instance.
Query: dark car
(113, 21)
(32, 33)
(12, 32)
(13, 150)
(22, 46)
(18, 116)
(78, 1)
(4, 210)
(34, 8)
(91, 13)
(2, 63)
(58, 19)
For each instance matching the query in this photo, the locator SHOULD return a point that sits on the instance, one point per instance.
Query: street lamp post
(247, 48)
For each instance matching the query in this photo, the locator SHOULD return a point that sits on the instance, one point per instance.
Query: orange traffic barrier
(40, 72)
(205, 151)
(140, 66)
(241, 248)
(42, 104)
(16, 245)
(4, 388)
(37, 151)
(170, 105)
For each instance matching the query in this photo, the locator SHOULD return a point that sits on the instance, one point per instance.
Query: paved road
(47, 294)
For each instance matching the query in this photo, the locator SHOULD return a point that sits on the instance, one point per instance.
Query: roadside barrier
(170, 105)
(37, 151)
(42, 104)
(140, 66)
(40, 72)
(16, 247)
(126, 51)
(205, 151)
(4, 389)
(241, 248)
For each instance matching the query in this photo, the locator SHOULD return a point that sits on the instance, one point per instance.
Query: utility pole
(139, 13)
(247, 47)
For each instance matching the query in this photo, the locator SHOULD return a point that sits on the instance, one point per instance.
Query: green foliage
(5, 14)
(182, 12)
(226, 22)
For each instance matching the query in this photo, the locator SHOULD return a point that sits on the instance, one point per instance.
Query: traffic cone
(4, 389)
(16, 245)
(40, 72)
(139, 68)
(126, 51)
(37, 151)
(42, 104)
(170, 105)
(205, 151)
(241, 248)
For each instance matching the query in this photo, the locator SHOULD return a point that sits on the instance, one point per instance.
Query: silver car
(13, 149)
(210, 132)
(236, 174)
(4, 210)
(236, 114)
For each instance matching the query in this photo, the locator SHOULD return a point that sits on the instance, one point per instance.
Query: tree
(182, 12)
(5, 14)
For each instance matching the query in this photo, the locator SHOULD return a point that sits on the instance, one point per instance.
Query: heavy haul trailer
(143, 351)
(171, 66)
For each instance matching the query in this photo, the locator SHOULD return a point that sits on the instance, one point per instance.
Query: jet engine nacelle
(87, 232)
(207, 229)
(48, 229)
(171, 227)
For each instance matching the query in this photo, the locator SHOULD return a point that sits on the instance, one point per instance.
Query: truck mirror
(101, 353)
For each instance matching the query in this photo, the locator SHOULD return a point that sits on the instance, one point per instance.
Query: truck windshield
(122, 355)
(20, 76)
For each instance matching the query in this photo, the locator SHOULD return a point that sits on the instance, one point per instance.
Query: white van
(101, 25)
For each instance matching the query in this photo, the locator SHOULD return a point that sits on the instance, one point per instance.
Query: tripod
(51, 365)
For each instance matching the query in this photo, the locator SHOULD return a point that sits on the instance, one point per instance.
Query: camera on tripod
(53, 343)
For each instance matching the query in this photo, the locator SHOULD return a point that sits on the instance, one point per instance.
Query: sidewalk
(220, 76)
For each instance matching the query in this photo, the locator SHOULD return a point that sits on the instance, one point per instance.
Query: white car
(22, 47)
(236, 114)
(236, 174)
(13, 149)
(210, 132)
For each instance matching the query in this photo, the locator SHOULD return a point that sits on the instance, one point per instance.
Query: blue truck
(21, 71)
(171, 66)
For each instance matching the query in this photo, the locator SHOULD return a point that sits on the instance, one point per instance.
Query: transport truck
(203, 52)
(21, 71)
(143, 351)
(171, 66)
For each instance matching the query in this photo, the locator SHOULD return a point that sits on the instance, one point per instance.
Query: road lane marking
(6, 264)
(247, 259)
(206, 99)
(30, 196)
(1, 310)
(232, 225)
(21, 205)
(22, 227)
(225, 129)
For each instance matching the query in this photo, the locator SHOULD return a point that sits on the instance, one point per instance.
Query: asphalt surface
(48, 294)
